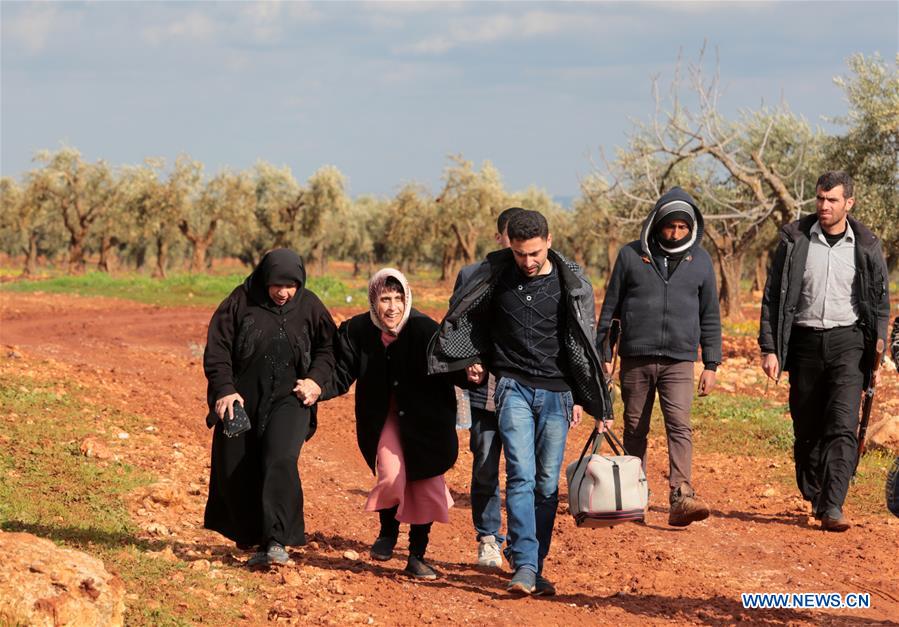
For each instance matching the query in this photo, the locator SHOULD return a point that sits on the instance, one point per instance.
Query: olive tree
(411, 227)
(324, 206)
(869, 151)
(78, 191)
(27, 226)
(361, 237)
(743, 172)
(227, 197)
(468, 206)
(158, 203)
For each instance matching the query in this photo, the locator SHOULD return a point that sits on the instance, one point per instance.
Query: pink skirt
(423, 501)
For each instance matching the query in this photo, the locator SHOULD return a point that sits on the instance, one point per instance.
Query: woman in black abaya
(269, 346)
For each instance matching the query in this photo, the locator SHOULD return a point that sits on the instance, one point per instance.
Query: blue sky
(385, 91)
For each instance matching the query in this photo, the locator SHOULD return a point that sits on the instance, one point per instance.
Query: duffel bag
(605, 490)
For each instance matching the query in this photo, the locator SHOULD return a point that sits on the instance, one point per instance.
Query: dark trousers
(255, 493)
(825, 395)
(486, 448)
(418, 534)
(641, 378)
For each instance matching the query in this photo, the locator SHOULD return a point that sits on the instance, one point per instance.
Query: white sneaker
(489, 553)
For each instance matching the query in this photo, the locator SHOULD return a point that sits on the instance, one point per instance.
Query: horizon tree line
(750, 175)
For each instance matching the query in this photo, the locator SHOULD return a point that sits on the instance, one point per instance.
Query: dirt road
(147, 359)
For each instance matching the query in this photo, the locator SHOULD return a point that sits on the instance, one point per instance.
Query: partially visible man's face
(391, 307)
(502, 239)
(530, 254)
(832, 207)
(281, 294)
(674, 230)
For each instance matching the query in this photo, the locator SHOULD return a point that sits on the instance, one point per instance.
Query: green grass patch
(45, 425)
(48, 488)
(740, 425)
(746, 328)
(175, 290)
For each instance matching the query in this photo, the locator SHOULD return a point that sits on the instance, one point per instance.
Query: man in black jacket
(527, 313)
(826, 304)
(663, 291)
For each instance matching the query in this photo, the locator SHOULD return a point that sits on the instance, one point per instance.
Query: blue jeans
(533, 426)
(486, 447)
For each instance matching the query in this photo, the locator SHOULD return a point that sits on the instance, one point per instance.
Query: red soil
(148, 360)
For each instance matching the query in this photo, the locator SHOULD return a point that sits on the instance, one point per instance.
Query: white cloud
(303, 11)
(193, 26)
(266, 21)
(33, 26)
(500, 27)
(262, 18)
(702, 7)
(237, 62)
(391, 74)
(412, 7)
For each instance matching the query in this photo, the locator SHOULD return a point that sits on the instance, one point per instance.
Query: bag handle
(591, 440)
(594, 444)
(614, 443)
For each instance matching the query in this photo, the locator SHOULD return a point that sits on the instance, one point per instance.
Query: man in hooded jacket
(663, 292)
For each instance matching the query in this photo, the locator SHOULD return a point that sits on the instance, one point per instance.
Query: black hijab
(278, 267)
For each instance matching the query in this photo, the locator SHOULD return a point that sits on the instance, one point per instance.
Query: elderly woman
(405, 419)
(269, 345)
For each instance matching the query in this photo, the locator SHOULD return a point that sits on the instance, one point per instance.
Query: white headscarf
(376, 286)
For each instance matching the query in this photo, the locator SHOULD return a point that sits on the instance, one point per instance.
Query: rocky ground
(147, 360)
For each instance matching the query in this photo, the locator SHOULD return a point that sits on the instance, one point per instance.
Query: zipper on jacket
(607, 411)
(664, 317)
(780, 347)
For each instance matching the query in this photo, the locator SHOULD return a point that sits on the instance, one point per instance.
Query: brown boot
(686, 507)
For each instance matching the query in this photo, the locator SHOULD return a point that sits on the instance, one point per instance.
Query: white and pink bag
(606, 490)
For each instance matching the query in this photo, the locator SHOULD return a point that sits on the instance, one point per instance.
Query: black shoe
(259, 559)
(382, 549)
(418, 568)
(544, 587)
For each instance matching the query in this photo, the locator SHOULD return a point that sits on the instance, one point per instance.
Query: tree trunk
(761, 271)
(198, 257)
(729, 297)
(140, 256)
(892, 258)
(449, 263)
(248, 257)
(467, 245)
(107, 243)
(30, 268)
(162, 254)
(76, 253)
